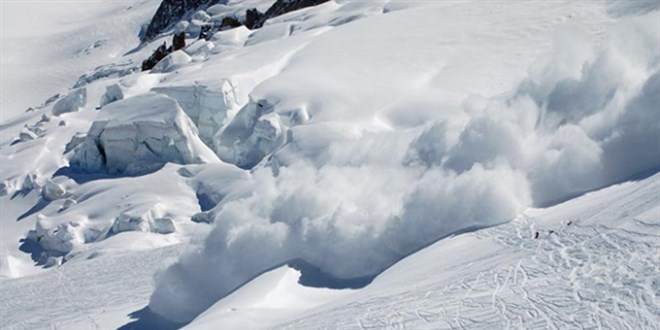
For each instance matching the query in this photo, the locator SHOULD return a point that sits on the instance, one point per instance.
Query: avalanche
(322, 164)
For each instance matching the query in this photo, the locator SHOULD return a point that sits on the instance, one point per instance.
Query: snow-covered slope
(343, 137)
(594, 264)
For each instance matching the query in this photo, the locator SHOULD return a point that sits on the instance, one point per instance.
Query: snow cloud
(355, 203)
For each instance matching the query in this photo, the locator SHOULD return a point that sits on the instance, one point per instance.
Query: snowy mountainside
(345, 137)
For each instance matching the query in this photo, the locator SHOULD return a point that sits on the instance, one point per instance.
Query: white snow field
(351, 165)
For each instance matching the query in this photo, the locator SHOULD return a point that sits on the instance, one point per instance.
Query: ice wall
(138, 135)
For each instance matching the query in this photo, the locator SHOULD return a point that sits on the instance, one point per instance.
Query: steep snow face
(139, 135)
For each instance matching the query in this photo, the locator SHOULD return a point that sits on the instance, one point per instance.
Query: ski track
(581, 276)
(79, 292)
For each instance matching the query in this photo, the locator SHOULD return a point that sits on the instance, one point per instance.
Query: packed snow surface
(418, 144)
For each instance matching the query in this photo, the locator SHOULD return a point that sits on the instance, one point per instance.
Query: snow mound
(138, 135)
(72, 102)
(207, 105)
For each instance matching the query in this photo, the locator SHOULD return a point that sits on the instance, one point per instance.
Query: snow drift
(354, 201)
(138, 135)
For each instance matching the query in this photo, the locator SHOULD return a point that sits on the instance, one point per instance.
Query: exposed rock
(253, 17)
(170, 12)
(73, 102)
(138, 135)
(157, 55)
(281, 7)
(207, 31)
(229, 22)
(179, 41)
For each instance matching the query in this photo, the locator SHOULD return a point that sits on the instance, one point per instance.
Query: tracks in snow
(578, 276)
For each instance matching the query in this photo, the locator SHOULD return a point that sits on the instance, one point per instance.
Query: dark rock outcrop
(158, 55)
(281, 7)
(179, 41)
(229, 23)
(171, 12)
(252, 17)
(206, 32)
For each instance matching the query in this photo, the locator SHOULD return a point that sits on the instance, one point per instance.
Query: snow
(269, 299)
(199, 50)
(113, 93)
(52, 191)
(73, 102)
(207, 105)
(591, 272)
(172, 62)
(417, 147)
(593, 267)
(253, 133)
(348, 205)
(123, 140)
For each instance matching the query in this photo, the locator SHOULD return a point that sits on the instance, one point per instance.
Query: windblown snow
(432, 151)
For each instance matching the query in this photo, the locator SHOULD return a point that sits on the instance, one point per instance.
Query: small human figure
(536, 235)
